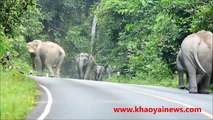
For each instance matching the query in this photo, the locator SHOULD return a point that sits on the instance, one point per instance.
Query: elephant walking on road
(108, 71)
(46, 54)
(84, 63)
(195, 58)
(99, 71)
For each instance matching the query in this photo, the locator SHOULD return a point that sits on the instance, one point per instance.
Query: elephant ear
(30, 48)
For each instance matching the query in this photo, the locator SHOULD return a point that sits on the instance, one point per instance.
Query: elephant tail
(197, 61)
(62, 53)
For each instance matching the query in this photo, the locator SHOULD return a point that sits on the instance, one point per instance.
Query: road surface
(63, 98)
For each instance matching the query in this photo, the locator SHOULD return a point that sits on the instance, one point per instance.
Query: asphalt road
(83, 99)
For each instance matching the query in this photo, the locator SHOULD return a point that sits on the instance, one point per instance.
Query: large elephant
(46, 54)
(195, 58)
(84, 64)
(98, 72)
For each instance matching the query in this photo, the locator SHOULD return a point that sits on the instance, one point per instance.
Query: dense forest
(138, 38)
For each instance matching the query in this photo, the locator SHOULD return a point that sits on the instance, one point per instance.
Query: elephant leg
(203, 86)
(57, 73)
(49, 67)
(38, 65)
(77, 71)
(200, 77)
(191, 70)
(187, 81)
(87, 72)
(100, 77)
(181, 71)
(54, 70)
(58, 68)
(97, 76)
(81, 71)
(181, 81)
(192, 83)
(101, 74)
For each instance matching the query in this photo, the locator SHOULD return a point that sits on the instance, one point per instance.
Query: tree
(146, 35)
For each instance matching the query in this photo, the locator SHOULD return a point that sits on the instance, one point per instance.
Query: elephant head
(84, 63)
(32, 46)
(99, 70)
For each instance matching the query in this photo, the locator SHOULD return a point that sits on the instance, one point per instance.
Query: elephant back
(206, 37)
(51, 45)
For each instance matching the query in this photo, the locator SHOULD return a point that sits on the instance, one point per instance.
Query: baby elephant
(99, 70)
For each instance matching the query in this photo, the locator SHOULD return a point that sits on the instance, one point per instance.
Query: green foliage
(31, 23)
(78, 41)
(19, 58)
(4, 43)
(18, 95)
(203, 18)
(146, 35)
(11, 13)
(68, 23)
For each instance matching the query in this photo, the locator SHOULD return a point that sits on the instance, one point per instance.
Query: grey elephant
(46, 54)
(84, 64)
(108, 71)
(195, 59)
(98, 72)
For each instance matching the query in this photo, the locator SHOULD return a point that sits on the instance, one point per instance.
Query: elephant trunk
(81, 69)
(33, 61)
(98, 74)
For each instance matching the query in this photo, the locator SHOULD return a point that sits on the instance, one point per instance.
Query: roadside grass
(167, 82)
(18, 95)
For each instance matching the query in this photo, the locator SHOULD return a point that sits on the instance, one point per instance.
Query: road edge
(48, 105)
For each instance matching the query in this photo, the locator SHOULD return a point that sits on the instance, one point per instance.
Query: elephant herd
(85, 63)
(50, 55)
(194, 58)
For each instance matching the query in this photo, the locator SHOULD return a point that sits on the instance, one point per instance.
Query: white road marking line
(49, 104)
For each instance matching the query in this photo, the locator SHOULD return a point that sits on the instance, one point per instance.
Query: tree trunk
(94, 23)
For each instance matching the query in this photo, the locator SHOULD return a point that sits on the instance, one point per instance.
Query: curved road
(83, 99)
